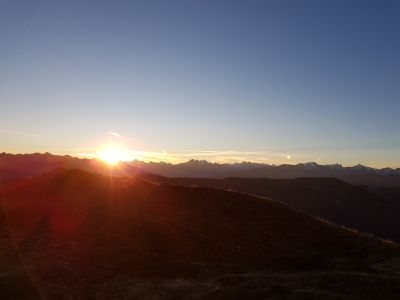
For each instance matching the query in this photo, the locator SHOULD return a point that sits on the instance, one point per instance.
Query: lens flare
(113, 156)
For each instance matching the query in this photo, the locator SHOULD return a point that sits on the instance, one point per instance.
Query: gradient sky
(221, 80)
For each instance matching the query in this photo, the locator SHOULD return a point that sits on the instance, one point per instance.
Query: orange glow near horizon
(114, 155)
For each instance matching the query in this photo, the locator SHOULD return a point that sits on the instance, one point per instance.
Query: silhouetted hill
(374, 211)
(27, 165)
(17, 166)
(82, 235)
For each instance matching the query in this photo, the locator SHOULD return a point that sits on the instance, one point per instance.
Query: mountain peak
(198, 162)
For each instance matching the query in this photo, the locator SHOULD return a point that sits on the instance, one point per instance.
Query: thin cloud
(116, 134)
(217, 156)
(18, 133)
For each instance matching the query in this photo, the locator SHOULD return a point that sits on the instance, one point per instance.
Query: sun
(112, 156)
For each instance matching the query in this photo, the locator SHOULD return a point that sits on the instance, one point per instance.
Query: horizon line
(205, 160)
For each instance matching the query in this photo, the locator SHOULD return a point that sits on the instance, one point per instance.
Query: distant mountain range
(358, 174)
(25, 165)
(73, 234)
(204, 168)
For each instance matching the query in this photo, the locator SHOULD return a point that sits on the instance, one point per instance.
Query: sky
(266, 81)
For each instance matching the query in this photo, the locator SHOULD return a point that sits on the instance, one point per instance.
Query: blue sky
(253, 80)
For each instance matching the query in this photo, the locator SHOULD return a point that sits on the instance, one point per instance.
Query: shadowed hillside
(82, 235)
(374, 211)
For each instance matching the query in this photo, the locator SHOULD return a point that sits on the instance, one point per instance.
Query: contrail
(115, 134)
(18, 133)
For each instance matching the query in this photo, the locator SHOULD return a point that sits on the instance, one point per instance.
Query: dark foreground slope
(374, 211)
(81, 235)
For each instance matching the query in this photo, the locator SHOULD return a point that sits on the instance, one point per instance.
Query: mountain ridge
(25, 165)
